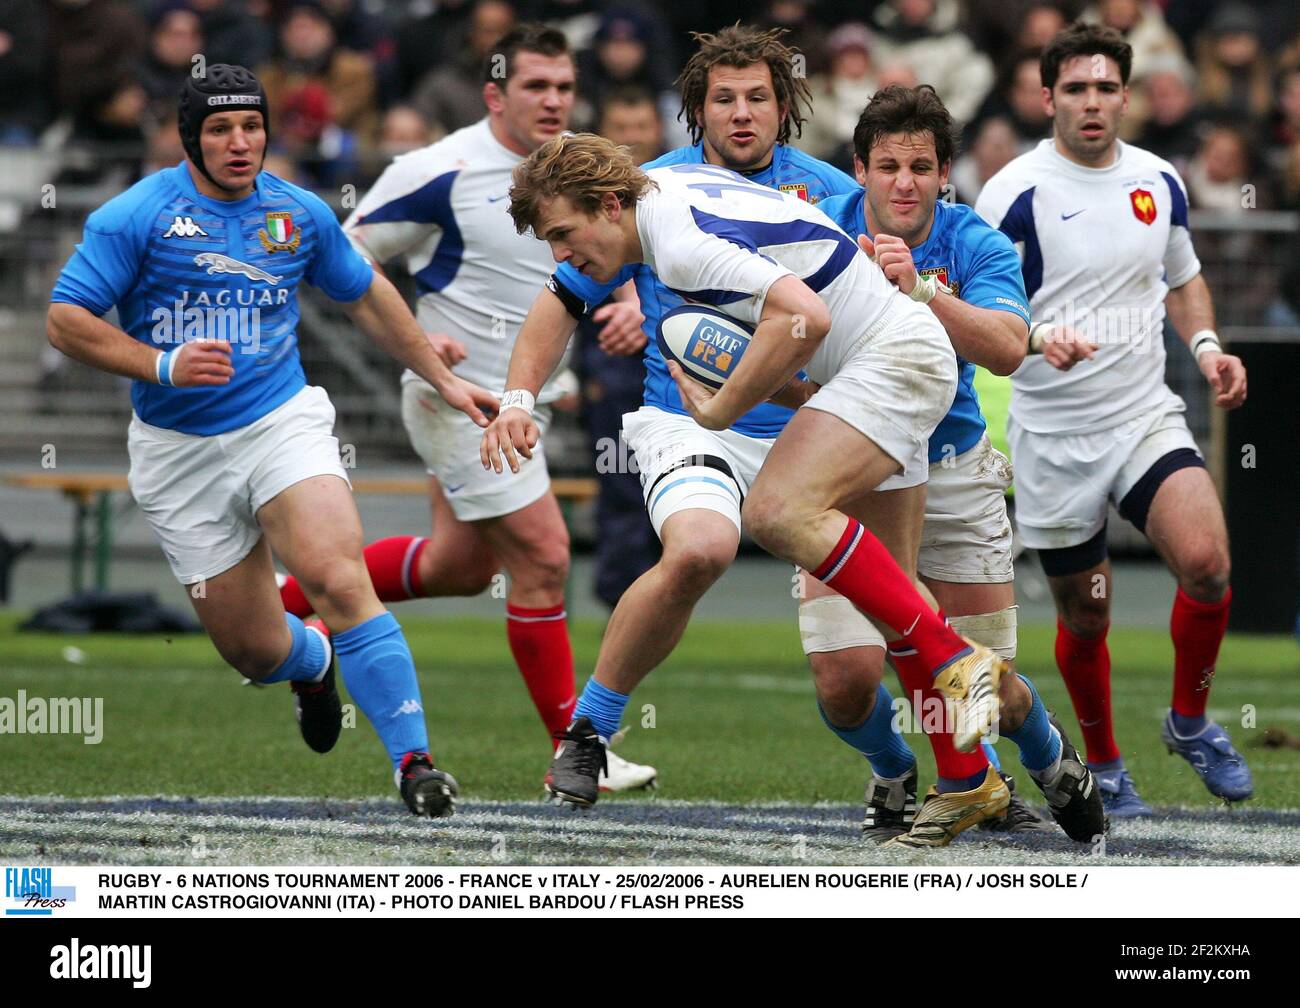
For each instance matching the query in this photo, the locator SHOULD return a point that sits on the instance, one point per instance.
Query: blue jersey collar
(222, 208)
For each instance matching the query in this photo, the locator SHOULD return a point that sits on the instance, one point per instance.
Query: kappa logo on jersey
(218, 263)
(799, 189)
(184, 227)
(280, 235)
(1144, 205)
(941, 274)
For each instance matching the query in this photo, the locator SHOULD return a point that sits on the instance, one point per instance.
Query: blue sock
(377, 667)
(946, 784)
(1187, 726)
(991, 754)
(1115, 764)
(1040, 745)
(885, 749)
(602, 706)
(308, 656)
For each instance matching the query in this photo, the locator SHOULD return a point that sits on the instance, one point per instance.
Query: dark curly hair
(898, 109)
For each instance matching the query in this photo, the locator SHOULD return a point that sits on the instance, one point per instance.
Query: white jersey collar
(1047, 148)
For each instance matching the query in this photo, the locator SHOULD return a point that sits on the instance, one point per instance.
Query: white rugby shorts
(678, 461)
(894, 388)
(1063, 481)
(447, 441)
(201, 494)
(967, 534)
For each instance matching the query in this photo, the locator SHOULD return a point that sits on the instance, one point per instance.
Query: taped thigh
(831, 623)
(995, 630)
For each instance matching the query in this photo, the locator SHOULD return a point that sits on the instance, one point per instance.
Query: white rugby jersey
(716, 238)
(1100, 249)
(445, 210)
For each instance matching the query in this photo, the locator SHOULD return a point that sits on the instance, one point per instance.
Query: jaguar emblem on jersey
(799, 189)
(941, 274)
(218, 263)
(280, 235)
(1144, 205)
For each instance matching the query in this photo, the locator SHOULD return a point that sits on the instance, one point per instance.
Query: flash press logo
(31, 892)
(75, 961)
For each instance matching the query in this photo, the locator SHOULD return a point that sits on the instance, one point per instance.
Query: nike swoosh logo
(453, 489)
(497, 199)
(1089, 724)
(909, 630)
(1075, 214)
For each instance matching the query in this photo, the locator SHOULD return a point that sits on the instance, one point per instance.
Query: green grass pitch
(729, 720)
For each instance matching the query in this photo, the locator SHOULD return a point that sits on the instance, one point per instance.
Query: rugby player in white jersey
(712, 236)
(743, 100)
(443, 210)
(1102, 230)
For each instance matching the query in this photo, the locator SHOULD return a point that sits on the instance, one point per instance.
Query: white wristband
(518, 399)
(1037, 333)
(1205, 341)
(927, 287)
(163, 365)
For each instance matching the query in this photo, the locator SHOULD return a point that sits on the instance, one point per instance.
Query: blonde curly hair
(580, 166)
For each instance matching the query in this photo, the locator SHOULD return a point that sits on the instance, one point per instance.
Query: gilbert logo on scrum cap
(234, 99)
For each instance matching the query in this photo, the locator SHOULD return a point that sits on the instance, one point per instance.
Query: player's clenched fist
(511, 434)
(893, 257)
(199, 362)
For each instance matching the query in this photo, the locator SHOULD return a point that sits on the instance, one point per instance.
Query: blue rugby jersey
(981, 266)
(180, 266)
(791, 171)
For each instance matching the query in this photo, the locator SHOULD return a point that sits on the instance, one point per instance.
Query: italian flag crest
(280, 235)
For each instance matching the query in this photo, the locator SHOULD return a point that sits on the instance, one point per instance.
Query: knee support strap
(995, 630)
(831, 623)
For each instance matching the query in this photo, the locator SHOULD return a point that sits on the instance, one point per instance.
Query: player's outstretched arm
(538, 349)
(1191, 310)
(383, 316)
(85, 337)
(794, 322)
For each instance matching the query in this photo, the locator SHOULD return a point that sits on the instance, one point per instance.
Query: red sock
(393, 564)
(1197, 629)
(1085, 667)
(293, 600)
(539, 640)
(861, 569)
(949, 762)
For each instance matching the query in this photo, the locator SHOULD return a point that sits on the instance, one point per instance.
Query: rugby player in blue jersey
(947, 256)
(233, 456)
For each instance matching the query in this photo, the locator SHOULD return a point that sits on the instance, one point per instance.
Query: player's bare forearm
(993, 339)
(1190, 307)
(794, 322)
(383, 316)
(540, 344)
(74, 331)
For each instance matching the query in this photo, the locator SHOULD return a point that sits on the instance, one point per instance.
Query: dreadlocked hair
(743, 46)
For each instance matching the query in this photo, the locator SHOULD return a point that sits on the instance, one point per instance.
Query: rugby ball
(705, 342)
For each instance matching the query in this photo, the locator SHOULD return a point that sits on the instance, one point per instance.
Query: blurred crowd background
(1216, 85)
(91, 89)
